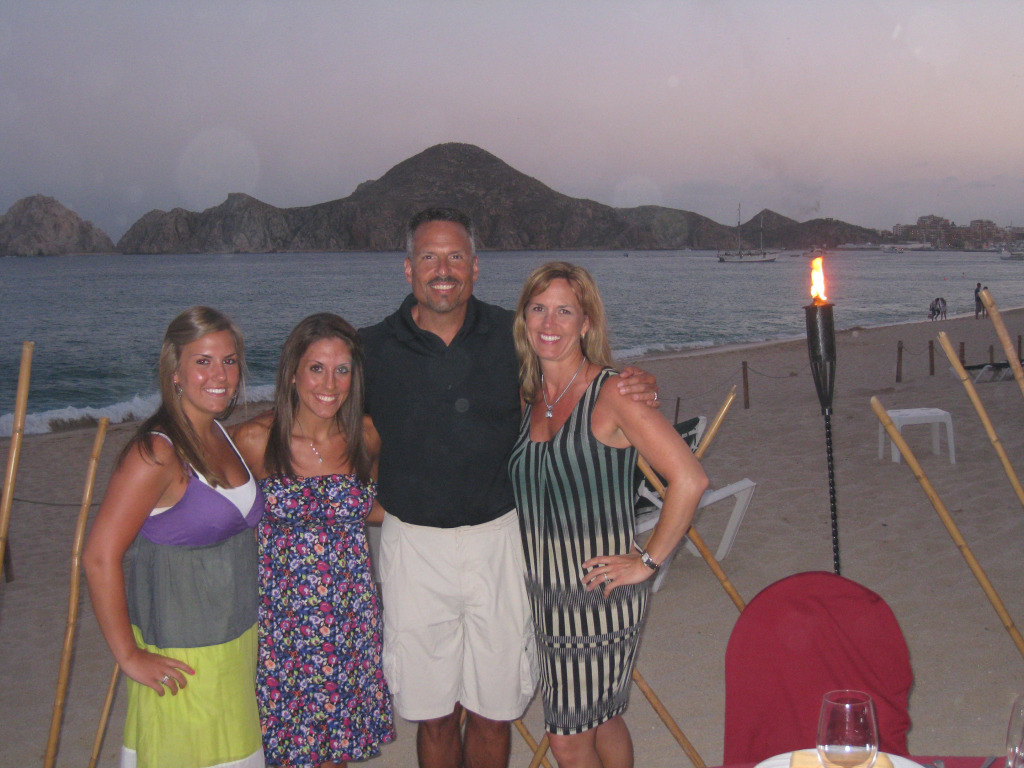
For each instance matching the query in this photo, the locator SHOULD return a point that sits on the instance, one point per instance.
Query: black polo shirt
(448, 416)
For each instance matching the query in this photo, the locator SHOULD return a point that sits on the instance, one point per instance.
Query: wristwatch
(647, 560)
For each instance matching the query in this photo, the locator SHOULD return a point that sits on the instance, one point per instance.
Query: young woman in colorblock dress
(182, 505)
(572, 471)
(322, 696)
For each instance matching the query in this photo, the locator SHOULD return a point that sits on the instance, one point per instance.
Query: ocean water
(97, 321)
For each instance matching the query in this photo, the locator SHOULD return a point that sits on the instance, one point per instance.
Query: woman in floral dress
(321, 692)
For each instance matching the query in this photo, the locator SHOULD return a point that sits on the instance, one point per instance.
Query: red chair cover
(798, 639)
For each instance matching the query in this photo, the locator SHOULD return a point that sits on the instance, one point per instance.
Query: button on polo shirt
(448, 416)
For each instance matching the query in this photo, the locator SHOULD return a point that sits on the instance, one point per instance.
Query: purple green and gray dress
(321, 692)
(191, 592)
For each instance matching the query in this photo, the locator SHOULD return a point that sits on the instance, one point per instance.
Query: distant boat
(739, 256)
(815, 253)
(1006, 255)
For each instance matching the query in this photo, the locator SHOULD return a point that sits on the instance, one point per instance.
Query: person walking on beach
(442, 388)
(978, 306)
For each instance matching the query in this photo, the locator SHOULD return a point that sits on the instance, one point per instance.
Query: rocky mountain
(40, 226)
(512, 211)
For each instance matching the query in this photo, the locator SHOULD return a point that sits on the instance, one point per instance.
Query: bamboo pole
(104, 717)
(1004, 337)
(539, 750)
(947, 521)
(972, 393)
(666, 718)
(712, 430)
(14, 450)
(76, 567)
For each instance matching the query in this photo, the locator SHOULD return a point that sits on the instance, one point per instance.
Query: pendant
(549, 415)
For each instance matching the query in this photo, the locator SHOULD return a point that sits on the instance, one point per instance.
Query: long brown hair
(278, 457)
(170, 418)
(595, 345)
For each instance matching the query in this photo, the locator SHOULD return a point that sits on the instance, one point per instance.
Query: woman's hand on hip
(156, 671)
(611, 571)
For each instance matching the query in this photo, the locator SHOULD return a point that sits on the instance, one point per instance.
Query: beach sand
(967, 670)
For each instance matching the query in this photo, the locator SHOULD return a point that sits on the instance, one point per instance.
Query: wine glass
(1015, 735)
(847, 730)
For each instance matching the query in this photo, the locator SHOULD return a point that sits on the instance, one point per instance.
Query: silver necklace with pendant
(549, 406)
(319, 458)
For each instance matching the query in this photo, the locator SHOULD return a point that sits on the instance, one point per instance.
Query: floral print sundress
(321, 692)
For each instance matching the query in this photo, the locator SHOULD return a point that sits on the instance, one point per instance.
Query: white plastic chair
(742, 490)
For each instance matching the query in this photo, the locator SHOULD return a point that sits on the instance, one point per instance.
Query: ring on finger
(165, 679)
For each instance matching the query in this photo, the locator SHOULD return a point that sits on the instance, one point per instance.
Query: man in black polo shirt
(442, 388)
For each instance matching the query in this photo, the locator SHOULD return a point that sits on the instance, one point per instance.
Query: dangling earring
(177, 390)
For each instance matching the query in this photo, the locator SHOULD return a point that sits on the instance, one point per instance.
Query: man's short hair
(454, 215)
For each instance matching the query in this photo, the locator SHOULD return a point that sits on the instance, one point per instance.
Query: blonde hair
(595, 346)
(170, 418)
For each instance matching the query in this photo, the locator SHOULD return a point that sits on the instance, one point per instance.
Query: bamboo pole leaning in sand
(104, 716)
(76, 567)
(1004, 337)
(947, 521)
(712, 430)
(972, 393)
(666, 718)
(14, 450)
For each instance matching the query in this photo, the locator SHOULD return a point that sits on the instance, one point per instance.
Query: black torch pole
(821, 348)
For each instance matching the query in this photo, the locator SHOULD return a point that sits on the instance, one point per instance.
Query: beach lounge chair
(990, 372)
(742, 491)
(798, 639)
(648, 507)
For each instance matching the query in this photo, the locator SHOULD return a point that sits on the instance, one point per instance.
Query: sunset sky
(871, 112)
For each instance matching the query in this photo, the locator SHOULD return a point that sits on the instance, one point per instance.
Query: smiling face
(442, 267)
(208, 373)
(324, 377)
(555, 321)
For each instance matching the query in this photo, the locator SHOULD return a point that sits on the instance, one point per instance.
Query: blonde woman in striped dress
(572, 469)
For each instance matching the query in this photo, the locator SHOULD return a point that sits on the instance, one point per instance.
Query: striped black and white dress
(575, 498)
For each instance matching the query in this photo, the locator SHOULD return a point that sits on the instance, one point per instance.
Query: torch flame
(817, 282)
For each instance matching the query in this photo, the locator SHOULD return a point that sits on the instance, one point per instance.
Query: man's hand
(639, 385)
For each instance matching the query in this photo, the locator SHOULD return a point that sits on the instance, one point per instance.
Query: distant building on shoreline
(942, 234)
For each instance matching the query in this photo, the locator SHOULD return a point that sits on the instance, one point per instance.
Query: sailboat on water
(739, 256)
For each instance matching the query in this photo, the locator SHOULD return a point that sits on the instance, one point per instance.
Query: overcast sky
(874, 112)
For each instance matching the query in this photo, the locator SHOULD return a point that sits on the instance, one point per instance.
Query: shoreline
(88, 421)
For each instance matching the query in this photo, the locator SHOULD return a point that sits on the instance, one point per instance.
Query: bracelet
(647, 560)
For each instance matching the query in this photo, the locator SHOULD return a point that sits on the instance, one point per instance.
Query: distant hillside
(512, 211)
(40, 226)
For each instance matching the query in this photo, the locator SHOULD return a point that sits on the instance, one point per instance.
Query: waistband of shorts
(509, 518)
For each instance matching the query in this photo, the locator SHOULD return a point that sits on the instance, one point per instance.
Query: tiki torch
(821, 347)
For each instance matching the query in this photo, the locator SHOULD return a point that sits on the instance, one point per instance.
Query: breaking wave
(136, 409)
